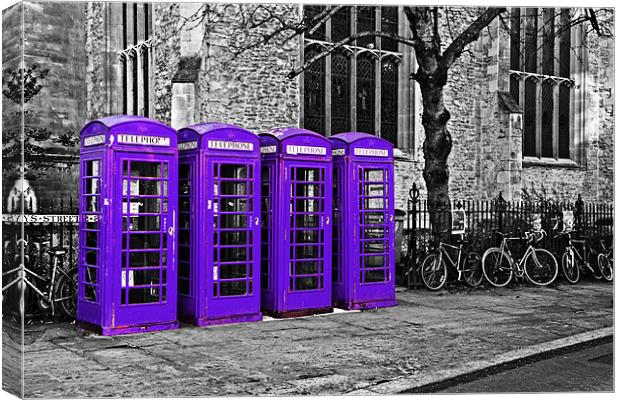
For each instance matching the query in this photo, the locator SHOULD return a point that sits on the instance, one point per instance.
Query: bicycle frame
(454, 263)
(516, 265)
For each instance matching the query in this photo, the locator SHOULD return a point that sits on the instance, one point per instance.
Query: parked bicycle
(434, 268)
(538, 265)
(580, 256)
(55, 288)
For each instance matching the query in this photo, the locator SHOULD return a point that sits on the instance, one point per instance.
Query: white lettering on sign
(94, 140)
(338, 152)
(225, 145)
(291, 149)
(370, 152)
(188, 145)
(143, 140)
(268, 149)
(124, 282)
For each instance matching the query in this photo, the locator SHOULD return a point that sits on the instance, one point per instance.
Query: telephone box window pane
(374, 233)
(374, 261)
(233, 221)
(147, 169)
(374, 175)
(141, 187)
(233, 271)
(233, 188)
(184, 173)
(373, 189)
(301, 252)
(92, 222)
(184, 237)
(143, 295)
(374, 275)
(236, 204)
(143, 241)
(233, 288)
(143, 223)
(235, 254)
(91, 257)
(93, 168)
(91, 239)
(145, 277)
(183, 286)
(90, 293)
(184, 253)
(374, 247)
(233, 171)
(307, 236)
(373, 218)
(92, 185)
(92, 203)
(371, 203)
(144, 259)
(90, 275)
(236, 237)
(307, 283)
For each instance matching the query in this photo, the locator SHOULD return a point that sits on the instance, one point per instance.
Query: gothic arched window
(365, 94)
(314, 94)
(341, 93)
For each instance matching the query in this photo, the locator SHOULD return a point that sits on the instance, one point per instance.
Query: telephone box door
(309, 236)
(233, 225)
(145, 281)
(375, 216)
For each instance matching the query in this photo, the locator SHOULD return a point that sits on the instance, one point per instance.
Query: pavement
(429, 338)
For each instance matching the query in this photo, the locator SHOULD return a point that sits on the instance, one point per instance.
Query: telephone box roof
(207, 127)
(116, 120)
(350, 137)
(281, 134)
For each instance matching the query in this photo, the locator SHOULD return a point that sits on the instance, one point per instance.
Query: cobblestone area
(331, 354)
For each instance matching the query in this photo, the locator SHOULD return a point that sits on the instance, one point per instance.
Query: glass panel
(389, 100)
(90, 293)
(314, 93)
(92, 203)
(233, 171)
(233, 188)
(371, 189)
(143, 187)
(306, 221)
(145, 276)
(374, 275)
(93, 168)
(389, 24)
(341, 92)
(236, 237)
(233, 271)
(146, 169)
(233, 221)
(366, 23)
(235, 254)
(374, 218)
(372, 203)
(307, 236)
(234, 288)
(143, 223)
(374, 261)
(91, 186)
(307, 283)
(307, 174)
(92, 222)
(90, 275)
(302, 252)
(374, 247)
(91, 257)
(374, 233)
(143, 259)
(341, 24)
(236, 204)
(143, 240)
(374, 175)
(311, 12)
(142, 295)
(91, 239)
(365, 94)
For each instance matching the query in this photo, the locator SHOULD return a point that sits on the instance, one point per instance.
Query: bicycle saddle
(57, 251)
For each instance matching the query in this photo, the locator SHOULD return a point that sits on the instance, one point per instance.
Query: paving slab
(428, 337)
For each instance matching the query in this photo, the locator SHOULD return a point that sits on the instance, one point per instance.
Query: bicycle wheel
(434, 272)
(606, 267)
(570, 268)
(541, 267)
(473, 269)
(65, 293)
(496, 267)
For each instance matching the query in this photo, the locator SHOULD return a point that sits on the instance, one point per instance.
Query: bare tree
(435, 49)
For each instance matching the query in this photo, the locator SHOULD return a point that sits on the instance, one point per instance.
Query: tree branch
(345, 41)
(467, 36)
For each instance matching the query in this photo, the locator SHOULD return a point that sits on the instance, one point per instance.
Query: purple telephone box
(219, 224)
(363, 237)
(127, 278)
(296, 201)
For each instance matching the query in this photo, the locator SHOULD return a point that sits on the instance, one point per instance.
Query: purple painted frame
(363, 264)
(127, 242)
(296, 178)
(218, 252)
